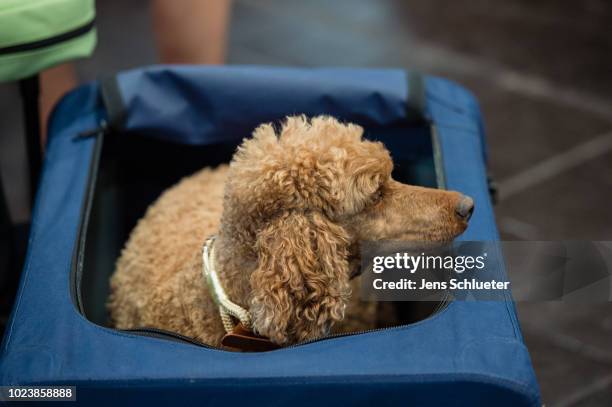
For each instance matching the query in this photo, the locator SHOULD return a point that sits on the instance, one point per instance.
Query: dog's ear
(371, 167)
(301, 284)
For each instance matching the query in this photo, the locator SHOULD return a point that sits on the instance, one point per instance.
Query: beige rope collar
(227, 309)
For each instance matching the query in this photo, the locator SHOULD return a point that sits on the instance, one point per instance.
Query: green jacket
(38, 34)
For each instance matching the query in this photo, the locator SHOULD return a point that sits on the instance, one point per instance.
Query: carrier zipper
(101, 129)
(172, 336)
(47, 42)
(443, 304)
(163, 334)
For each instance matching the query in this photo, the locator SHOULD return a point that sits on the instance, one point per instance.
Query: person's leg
(191, 31)
(54, 83)
(186, 31)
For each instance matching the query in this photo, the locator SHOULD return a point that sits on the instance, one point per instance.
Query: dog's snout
(465, 207)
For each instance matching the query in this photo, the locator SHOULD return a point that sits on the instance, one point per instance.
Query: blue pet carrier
(116, 144)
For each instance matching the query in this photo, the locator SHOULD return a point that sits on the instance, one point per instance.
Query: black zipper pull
(101, 129)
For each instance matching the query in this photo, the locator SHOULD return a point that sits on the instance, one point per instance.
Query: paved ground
(542, 73)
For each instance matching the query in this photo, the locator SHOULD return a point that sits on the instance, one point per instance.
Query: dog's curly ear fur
(301, 284)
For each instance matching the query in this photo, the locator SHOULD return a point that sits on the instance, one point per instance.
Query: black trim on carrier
(415, 101)
(47, 42)
(113, 103)
(79, 249)
(437, 156)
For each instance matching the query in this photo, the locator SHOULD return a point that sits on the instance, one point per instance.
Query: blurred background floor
(542, 72)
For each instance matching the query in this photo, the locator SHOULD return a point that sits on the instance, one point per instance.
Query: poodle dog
(288, 214)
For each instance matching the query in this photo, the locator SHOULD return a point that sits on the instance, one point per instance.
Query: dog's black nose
(465, 207)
